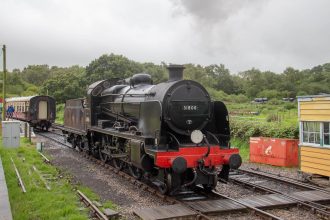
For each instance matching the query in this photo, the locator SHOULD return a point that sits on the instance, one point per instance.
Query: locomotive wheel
(104, 157)
(78, 144)
(118, 164)
(163, 189)
(210, 187)
(75, 143)
(135, 172)
(84, 146)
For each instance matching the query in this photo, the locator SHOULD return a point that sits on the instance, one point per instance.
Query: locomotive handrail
(131, 95)
(116, 115)
(215, 137)
(173, 136)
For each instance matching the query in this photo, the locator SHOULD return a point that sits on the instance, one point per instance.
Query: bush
(274, 102)
(289, 106)
(273, 117)
(245, 129)
(59, 113)
(238, 98)
(218, 95)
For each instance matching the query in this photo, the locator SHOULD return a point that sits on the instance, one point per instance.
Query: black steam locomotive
(170, 133)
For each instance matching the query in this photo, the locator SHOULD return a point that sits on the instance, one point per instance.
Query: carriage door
(42, 110)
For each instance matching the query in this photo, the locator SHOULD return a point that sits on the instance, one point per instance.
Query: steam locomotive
(171, 133)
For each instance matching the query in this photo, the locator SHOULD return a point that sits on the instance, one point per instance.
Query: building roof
(19, 99)
(314, 96)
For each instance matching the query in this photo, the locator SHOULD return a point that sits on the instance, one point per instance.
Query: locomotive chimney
(175, 72)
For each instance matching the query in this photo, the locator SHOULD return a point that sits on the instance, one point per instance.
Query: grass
(244, 148)
(273, 111)
(61, 202)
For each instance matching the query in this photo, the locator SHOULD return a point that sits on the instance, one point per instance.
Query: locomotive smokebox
(175, 72)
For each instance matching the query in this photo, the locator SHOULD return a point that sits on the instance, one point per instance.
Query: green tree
(36, 74)
(111, 66)
(68, 83)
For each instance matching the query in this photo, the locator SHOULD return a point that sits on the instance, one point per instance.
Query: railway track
(282, 179)
(185, 200)
(251, 179)
(58, 138)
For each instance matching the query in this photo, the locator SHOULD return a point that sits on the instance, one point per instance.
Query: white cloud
(268, 34)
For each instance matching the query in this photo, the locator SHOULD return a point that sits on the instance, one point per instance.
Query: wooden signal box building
(314, 134)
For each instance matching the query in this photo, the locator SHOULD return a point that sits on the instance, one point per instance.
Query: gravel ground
(282, 171)
(107, 185)
(294, 214)
(268, 183)
(234, 191)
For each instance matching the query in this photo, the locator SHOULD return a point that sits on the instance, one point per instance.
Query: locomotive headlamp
(196, 136)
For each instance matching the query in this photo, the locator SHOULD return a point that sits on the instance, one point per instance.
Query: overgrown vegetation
(244, 129)
(61, 202)
(59, 113)
(244, 148)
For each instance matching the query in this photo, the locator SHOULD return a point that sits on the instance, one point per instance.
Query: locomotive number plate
(190, 107)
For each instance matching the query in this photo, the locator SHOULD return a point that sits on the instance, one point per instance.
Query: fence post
(30, 134)
(25, 129)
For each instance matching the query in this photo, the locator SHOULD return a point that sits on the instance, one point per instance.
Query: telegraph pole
(4, 84)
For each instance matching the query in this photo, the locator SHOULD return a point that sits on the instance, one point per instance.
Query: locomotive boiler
(170, 133)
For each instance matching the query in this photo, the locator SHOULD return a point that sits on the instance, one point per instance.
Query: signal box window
(311, 132)
(326, 133)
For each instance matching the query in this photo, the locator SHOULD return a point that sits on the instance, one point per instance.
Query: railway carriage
(171, 133)
(39, 111)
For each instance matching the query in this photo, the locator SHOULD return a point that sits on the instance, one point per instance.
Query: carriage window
(311, 132)
(326, 133)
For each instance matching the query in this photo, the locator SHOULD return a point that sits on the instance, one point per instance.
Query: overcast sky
(265, 34)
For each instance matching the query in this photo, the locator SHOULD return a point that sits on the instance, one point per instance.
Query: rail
(20, 181)
(283, 179)
(96, 211)
(45, 158)
(315, 207)
(255, 210)
(41, 177)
